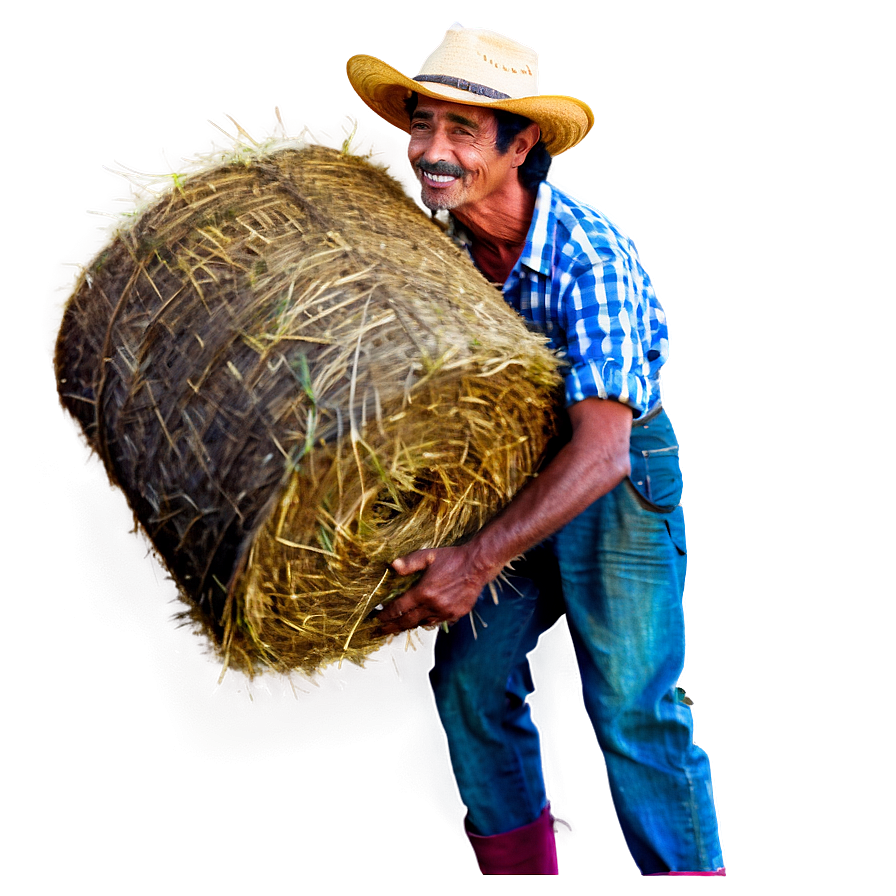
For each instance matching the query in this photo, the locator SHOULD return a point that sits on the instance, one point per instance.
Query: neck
(498, 226)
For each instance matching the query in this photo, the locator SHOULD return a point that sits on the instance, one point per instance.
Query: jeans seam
(699, 841)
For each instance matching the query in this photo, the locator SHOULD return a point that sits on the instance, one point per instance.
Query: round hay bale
(295, 377)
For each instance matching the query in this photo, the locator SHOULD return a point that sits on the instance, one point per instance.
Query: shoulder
(582, 235)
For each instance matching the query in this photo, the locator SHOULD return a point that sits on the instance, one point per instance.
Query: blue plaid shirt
(579, 282)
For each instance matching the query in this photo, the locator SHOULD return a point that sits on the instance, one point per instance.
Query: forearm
(590, 465)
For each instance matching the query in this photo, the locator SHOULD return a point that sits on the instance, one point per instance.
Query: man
(599, 533)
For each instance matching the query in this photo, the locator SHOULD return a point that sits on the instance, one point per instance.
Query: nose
(436, 146)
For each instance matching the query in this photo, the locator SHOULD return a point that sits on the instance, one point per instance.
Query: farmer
(599, 534)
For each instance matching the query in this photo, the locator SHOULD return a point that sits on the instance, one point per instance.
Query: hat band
(461, 84)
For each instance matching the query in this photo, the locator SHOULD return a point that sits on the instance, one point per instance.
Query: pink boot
(527, 850)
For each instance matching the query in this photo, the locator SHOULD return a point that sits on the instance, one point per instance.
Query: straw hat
(476, 68)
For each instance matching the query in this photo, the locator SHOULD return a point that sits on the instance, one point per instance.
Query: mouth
(437, 179)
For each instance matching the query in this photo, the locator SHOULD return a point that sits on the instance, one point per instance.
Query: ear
(524, 141)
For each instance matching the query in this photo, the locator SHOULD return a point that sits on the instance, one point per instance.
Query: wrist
(484, 561)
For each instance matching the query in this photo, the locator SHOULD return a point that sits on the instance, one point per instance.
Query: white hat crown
(487, 64)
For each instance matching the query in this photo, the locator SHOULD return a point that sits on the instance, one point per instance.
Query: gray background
(747, 151)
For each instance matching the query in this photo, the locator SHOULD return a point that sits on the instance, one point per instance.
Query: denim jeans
(617, 571)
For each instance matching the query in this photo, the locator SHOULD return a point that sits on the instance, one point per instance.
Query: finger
(401, 605)
(415, 562)
(396, 608)
(413, 618)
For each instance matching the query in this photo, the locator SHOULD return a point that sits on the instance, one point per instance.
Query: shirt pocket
(656, 475)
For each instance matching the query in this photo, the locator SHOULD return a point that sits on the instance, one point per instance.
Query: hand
(447, 591)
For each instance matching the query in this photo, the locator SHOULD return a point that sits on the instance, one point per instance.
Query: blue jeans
(617, 571)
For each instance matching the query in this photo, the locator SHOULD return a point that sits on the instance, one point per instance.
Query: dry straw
(295, 377)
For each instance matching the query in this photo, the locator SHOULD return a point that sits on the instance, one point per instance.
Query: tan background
(746, 150)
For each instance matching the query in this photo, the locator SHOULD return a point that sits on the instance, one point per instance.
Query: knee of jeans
(623, 699)
(464, 710)
(476, 695)
(453, 686)
(640, 727)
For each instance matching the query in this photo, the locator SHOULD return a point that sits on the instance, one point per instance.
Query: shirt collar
(533, 255)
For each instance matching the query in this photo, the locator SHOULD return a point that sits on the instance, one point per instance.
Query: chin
(437, 203)
(442, 201)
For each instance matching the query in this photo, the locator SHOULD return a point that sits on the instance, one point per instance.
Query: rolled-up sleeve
(608, 351)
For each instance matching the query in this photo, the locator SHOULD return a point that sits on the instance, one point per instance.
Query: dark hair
(538, 162)
(535, 169)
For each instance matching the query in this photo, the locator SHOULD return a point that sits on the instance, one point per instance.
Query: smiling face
(454, 154)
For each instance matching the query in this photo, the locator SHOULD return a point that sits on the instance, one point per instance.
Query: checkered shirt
(579, 281)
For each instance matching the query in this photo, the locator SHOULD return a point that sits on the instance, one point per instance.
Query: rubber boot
(527, 850)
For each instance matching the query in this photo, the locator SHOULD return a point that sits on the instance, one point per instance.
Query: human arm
(592, 463)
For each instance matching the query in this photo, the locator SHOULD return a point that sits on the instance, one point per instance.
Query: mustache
(444, 168)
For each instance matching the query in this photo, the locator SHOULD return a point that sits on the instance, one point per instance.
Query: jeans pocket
(657, 477)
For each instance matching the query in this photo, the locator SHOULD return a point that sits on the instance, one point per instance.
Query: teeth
(440, 178)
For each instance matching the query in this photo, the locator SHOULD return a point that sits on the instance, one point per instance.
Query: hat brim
(564, 120)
